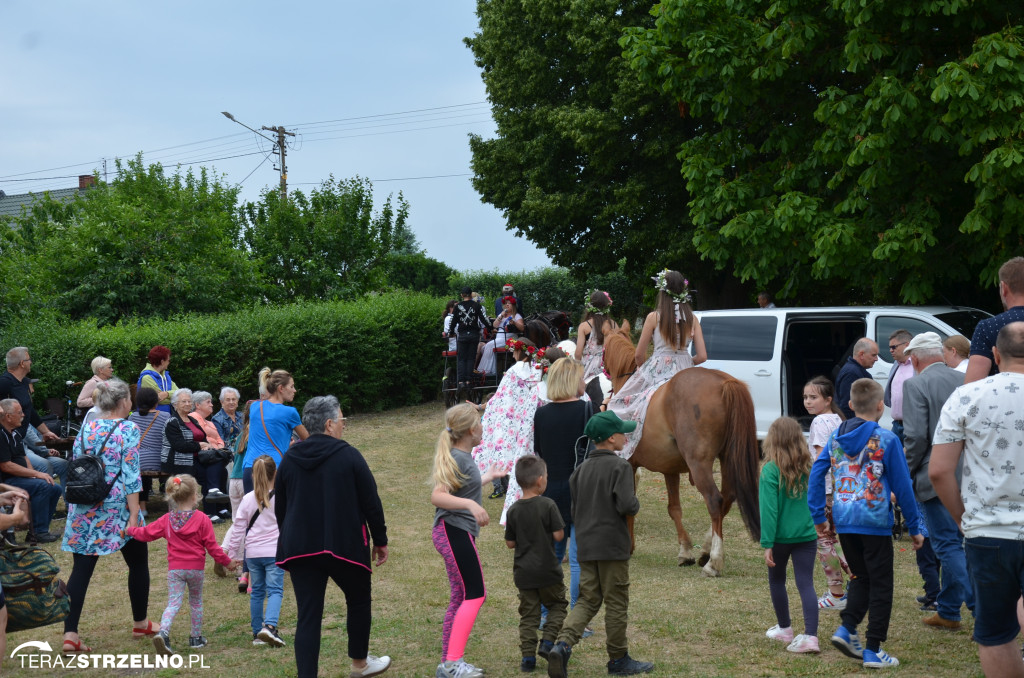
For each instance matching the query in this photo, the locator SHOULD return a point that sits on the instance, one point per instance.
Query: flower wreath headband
(519, 345)
(590, 308)
(540, 360)
(661, 282)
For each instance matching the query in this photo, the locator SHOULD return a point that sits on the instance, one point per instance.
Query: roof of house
(10, 205)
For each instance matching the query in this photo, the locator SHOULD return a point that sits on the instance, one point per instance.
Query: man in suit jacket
(923, 398)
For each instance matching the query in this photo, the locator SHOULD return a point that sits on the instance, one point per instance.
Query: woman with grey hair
(183, 438)
(229, 422)
(97, 530)
(102, 370)
(212, 474)
(326, 503)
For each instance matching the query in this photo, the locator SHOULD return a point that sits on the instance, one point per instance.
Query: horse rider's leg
(675, 512)
(705, 483)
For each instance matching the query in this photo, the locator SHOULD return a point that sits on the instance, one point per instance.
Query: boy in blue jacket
(867, 466)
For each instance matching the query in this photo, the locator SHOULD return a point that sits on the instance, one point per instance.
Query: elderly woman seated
(202, 413)
(183, 440)
(102, 370)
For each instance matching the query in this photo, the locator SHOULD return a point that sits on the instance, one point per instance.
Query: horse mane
(619, 355)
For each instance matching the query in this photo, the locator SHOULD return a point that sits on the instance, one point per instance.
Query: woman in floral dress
(590, 334)
(508, 420)
(95, 530)
(672, 326)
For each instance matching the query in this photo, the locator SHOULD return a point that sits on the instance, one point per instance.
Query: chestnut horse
(694, 418)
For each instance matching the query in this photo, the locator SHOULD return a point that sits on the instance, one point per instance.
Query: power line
(384, 115)
(381, 181)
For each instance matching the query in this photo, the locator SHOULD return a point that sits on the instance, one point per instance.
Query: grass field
(687, 624)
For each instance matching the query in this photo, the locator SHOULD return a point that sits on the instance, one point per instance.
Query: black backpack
(87, 477)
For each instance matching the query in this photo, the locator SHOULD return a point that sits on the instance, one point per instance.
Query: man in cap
(923, 398)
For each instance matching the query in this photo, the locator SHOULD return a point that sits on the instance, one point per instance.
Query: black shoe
(42, 537)
(627, 666)
(558, 660)
(929, 606)
(528, 664)
(545, 648)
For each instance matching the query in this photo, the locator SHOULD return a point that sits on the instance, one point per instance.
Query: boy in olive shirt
(602, 497)
(532, 527)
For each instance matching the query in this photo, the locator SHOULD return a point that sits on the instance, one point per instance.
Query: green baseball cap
(604, 425)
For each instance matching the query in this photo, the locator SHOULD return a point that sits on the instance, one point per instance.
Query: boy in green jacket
(603, 496)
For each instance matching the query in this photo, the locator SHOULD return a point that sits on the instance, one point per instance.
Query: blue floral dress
(96, 530)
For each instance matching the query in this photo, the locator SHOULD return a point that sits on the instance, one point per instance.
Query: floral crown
(509, 300)
(661, 282)
(540, 360)
(590, 308)
(520, 345)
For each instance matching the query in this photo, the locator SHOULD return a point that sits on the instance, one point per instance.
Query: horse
(547, 328)
(694, 418)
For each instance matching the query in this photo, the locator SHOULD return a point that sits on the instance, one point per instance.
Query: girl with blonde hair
(458, 517)
(788, 531)
(253, 536)
(272, 422)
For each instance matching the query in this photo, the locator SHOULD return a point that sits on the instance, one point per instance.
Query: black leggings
(309, 580)
(136, 557)
(803, 555)
(465, 357)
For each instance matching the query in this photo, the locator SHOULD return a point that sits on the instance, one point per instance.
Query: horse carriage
(543, 329)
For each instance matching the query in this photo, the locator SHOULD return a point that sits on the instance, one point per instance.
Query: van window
(964, 320)
(887, 324)
(746, 337)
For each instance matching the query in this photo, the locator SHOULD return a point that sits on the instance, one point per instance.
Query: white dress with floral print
(593, 357)
(631, 401)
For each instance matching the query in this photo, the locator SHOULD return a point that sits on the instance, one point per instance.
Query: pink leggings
(462, 562)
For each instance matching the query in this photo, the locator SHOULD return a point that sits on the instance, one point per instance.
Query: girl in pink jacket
(254, 535)
(189, 534)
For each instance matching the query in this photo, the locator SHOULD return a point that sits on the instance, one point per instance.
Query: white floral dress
(508, 425)
(631, 402)
(593, 357)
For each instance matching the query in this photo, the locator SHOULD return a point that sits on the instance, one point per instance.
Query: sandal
(76, 648)
(150, 630)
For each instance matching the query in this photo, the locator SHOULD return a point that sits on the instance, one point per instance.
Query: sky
(386, 91)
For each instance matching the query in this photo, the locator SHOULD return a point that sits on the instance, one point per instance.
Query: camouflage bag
(35, 596)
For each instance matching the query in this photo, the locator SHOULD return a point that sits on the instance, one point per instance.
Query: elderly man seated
(16, 470)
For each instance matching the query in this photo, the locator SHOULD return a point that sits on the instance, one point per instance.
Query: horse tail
(742, 457)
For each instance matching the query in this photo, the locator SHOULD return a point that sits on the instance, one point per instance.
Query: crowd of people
(303, 501)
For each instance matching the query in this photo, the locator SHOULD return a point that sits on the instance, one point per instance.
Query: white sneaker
(829, 601)
(374, 666)
(782, 634)
(215, 493)
(458, 669)
(804, 643)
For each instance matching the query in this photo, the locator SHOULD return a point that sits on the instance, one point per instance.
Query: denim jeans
(55, 466)
(267, 581)
(948, 545)
(997, 574)
(42, 497)
(574, 564)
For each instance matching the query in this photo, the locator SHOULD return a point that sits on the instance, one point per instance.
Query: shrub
(375, 353)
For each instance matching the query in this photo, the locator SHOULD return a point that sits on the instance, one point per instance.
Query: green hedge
(552, 288)
(373, 354)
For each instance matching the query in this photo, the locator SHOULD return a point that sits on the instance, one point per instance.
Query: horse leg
(712, 554)
(675, 512)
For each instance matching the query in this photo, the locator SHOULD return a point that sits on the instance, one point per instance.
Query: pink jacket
(261, 542)
(186, 545)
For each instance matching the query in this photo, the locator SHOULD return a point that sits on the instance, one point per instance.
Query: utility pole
(281, 134)
(279, 147)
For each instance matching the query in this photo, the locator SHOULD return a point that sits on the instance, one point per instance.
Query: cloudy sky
(387, 91)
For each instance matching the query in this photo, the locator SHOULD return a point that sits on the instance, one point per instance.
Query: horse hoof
(709, 571)
(704, 558)
(686, 562)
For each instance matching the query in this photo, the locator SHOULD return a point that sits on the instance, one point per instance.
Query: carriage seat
(448, 354)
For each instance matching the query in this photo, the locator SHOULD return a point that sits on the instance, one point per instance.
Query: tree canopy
(870, 144)
(583, 163)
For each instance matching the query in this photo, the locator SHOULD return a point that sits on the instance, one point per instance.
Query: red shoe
(75, 648)
(243, 584)
(150, 630)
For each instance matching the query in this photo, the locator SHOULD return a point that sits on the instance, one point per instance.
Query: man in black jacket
(325, 502)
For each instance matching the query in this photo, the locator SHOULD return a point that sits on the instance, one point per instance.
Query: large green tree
(583, 163)
(329, 245)
(868, 145)
(146, 244)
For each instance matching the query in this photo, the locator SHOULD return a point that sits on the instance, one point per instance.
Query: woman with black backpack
(94, 528)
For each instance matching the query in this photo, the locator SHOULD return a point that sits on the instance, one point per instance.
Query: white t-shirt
(988, 416)
(821, 429)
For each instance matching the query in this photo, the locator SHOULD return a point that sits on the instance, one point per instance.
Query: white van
(776, 351)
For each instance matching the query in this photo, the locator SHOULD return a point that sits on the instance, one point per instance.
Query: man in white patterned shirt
(983, 422)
